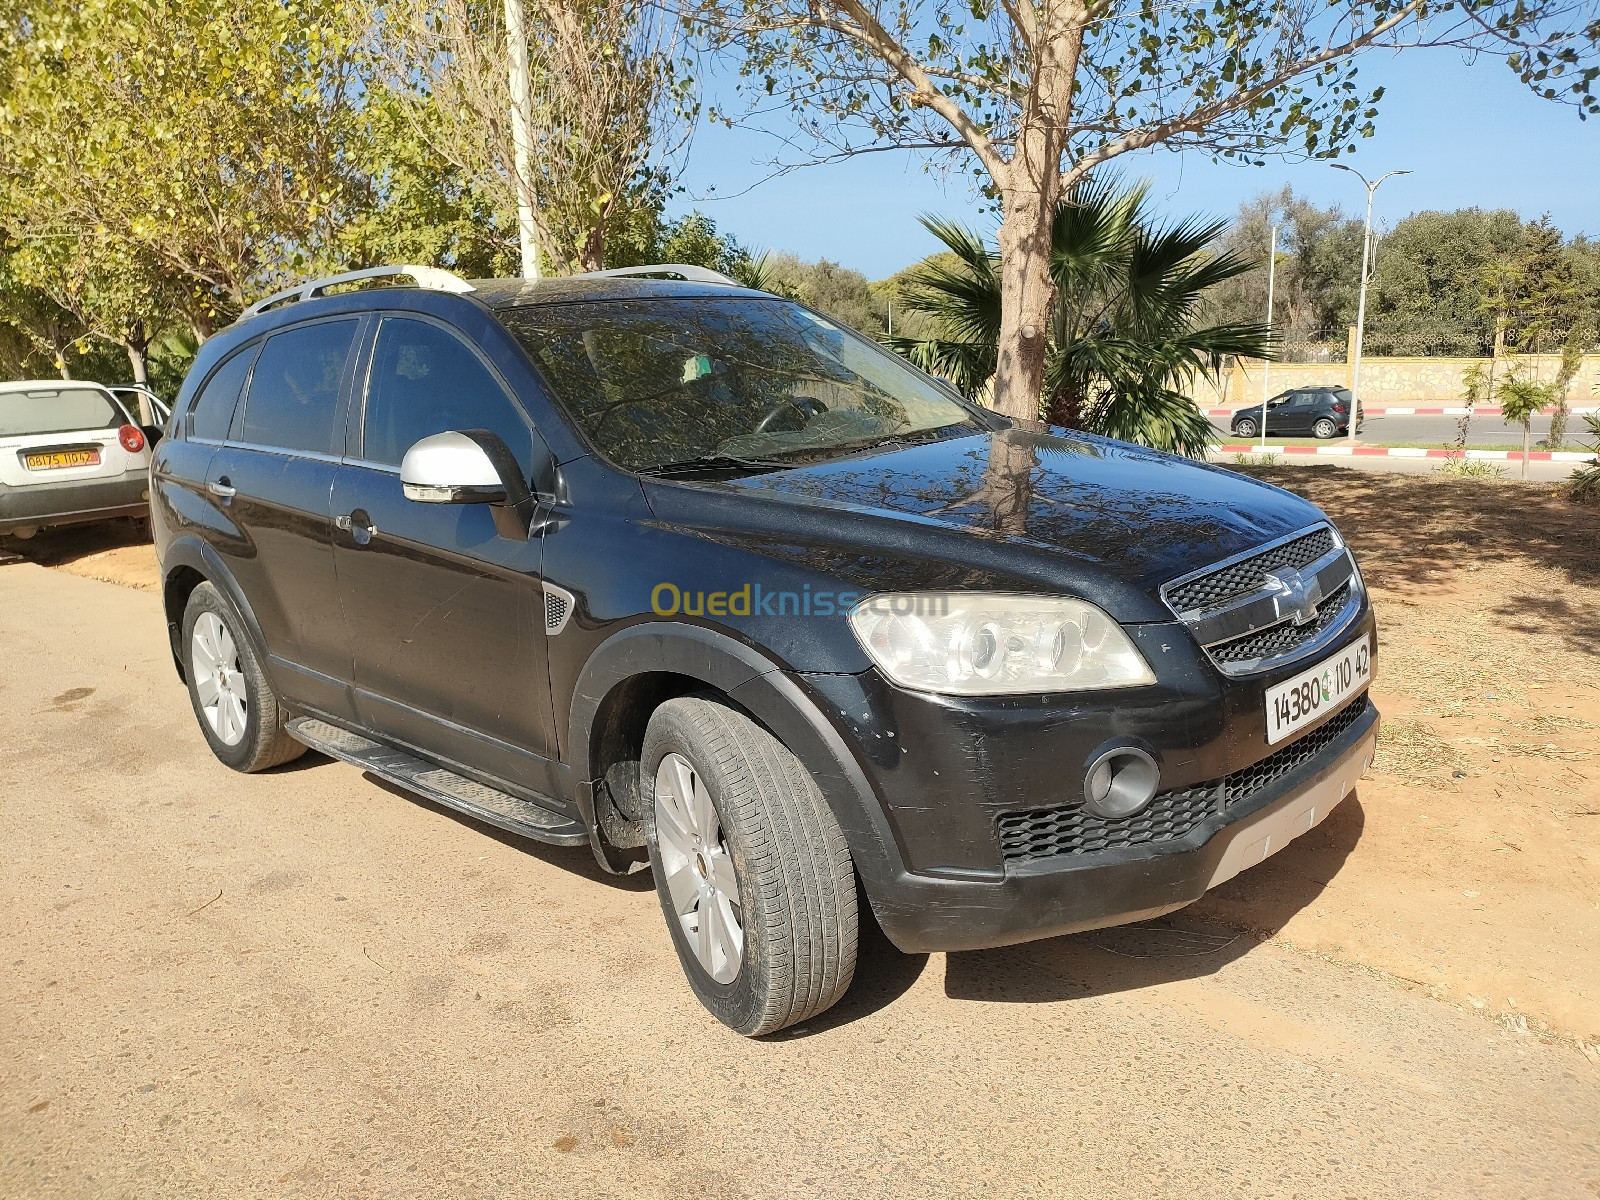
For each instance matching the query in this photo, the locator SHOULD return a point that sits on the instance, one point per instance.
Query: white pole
(1361, 314)
(1266, 363)
(522, 136)
(1361, 302)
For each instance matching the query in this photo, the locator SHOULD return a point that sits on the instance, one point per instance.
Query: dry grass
(1414, 752)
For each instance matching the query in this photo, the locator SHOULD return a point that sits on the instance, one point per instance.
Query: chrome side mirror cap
(451, 468)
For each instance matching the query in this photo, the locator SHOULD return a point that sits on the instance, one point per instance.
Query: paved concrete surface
(304, 984)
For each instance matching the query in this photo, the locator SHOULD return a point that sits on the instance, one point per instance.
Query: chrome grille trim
(1231, 617)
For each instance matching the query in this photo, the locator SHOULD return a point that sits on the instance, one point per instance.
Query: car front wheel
(752, 870)
(1245, 428)
(237, 709)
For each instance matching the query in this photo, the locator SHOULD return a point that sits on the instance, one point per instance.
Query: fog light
(1120, 782)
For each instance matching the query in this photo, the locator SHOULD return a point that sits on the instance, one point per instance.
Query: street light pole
(1266, 363)
(1361, 302)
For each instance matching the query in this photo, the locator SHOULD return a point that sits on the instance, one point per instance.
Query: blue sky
(1471, 135)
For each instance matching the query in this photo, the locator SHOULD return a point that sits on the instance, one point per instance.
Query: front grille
(1047, 832)
(1280, 641)
(1243, 784)
(1207, 591)
(1072, 829)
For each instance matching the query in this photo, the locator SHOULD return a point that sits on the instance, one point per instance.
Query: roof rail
(426, 277)
(684, 271)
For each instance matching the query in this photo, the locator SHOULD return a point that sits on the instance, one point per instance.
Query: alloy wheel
(219, 679)
(699, 875)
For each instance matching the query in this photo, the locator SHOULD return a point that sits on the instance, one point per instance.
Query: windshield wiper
(715, 462)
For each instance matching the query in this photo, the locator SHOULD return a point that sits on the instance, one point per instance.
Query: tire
(1245, 428)
(1324, 429)
(795, 915)
(244, 724)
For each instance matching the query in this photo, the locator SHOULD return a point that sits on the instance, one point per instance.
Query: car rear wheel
(1324, 428)
(237, 709)
(1245, 428)
(752, 870)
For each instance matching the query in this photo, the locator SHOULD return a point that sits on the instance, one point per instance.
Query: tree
(611, 109)
(207, 138)
(1425, 296)
(1125, 340)
(1319, 272)
(1036, 95)
(1522, 399)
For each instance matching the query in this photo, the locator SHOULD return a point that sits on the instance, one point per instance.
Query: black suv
(694, 576)
(1319, 412)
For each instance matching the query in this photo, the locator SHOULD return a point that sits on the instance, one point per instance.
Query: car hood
(1032, 506)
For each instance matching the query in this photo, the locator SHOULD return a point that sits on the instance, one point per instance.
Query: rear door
(445, 615)
(271, 481)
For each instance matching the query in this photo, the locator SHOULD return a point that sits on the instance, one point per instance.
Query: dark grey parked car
(1319, 412)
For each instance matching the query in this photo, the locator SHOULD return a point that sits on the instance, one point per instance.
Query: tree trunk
(1029, 189)
(138, 359)
(1026, 296)
(592, 254)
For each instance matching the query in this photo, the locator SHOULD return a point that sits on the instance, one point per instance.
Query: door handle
(221, 487)
(359, 525)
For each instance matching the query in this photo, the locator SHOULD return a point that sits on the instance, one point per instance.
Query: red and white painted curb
(1576, 456)
(1415, 412)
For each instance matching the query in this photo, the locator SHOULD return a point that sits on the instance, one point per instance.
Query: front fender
(773, 695)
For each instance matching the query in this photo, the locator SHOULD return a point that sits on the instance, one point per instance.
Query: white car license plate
(1317, 691)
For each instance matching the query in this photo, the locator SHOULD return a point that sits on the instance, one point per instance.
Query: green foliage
(1126, 337)
(1318, 275)
(1459, 466)
(1584, 486)
(1521, 399)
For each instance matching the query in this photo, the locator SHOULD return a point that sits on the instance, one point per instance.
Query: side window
(425, 380)
(294, 391)
(1302, 399)
(212, 410)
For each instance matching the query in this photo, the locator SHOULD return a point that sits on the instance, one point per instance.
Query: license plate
(55, 459)
(1317, 691)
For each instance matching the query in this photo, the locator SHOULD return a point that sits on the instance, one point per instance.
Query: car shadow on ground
(69, 543)
(576, 860)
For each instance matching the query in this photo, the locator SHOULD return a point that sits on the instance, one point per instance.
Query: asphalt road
(1484, 430)
(305, 984)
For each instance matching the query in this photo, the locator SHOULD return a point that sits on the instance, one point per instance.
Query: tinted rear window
(294, 390)
(51, 410)
(212, 412)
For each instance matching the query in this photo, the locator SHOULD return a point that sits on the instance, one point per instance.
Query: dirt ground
(1478, 871)
(1471, 864)
(305, 984)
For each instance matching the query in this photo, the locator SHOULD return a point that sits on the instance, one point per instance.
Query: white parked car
(70, 452)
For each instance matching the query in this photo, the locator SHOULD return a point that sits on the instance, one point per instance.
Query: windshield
(57, 410)
(657, 382)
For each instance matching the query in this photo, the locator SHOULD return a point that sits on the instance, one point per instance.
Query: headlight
(978, 644)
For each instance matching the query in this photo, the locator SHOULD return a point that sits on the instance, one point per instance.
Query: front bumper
(923, 913)
(73, 501)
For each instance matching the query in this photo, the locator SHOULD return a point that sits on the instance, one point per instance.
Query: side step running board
(440, 785)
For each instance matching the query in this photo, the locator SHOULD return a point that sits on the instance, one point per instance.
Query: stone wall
(1387, 381)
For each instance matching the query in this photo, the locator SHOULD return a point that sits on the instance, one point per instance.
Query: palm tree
(1126, 339)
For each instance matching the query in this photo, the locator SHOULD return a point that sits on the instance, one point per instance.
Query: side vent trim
(558, 605)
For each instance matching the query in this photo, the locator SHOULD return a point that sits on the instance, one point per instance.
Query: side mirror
(452, 468)
(471, 466)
